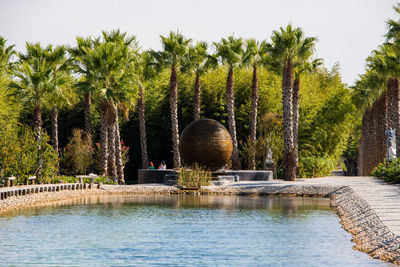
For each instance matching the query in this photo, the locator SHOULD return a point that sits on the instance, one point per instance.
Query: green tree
(230, 51)
(175, 51)
(286, 48)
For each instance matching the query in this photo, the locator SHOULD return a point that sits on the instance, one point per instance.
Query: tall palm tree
(198, 61)
(230, 51)
(288, 46)
(253, 57)
(83, 66)
(57, 58)
(146, 72)
(175, 50)
(384, 62)
(31, 84)
(303, 65)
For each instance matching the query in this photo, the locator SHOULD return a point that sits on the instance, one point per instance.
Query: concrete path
(383, 198)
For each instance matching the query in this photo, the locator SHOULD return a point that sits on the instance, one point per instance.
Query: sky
(348, 30)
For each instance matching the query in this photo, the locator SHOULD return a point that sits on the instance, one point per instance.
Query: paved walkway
(383, 198)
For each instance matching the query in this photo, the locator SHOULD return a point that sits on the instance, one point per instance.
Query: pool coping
(370, 234)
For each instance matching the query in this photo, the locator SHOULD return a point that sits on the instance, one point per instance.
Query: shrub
(22, 156)
(71, 179)
(194, 177)
(388, 171)
(316, 166)
(77, 157)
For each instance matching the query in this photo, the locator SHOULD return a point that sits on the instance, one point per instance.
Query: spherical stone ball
(206, 142)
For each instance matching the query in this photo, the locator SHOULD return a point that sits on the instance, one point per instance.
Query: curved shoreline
(370, 235)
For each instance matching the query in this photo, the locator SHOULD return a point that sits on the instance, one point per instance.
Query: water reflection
(289, 206)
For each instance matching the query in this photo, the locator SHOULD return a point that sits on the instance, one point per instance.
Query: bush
(71, 179)
(388, 171)
(194, 177)
(77, 156)
(22, 156)
(316, 166)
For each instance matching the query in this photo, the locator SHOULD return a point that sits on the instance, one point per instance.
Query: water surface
(179, 230)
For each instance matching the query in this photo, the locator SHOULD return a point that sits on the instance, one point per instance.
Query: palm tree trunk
(296, 103)
(111, 163)
(104, 142)
(393, 109)
(88, 104)
(383, 126)
(173, 104)
(289, 165)
(37, 121)
(118, 153)
(197, 98)
(253, 126)
(142, 128)
(54, 128)
(230, 106)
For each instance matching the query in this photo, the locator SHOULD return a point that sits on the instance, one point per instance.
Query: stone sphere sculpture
(206, 142)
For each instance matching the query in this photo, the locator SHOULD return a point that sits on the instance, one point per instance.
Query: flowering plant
(124, 153)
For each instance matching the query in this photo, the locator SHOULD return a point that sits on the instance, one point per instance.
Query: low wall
(25, 190)
(153, 176)
(245, 175)
(150, 176)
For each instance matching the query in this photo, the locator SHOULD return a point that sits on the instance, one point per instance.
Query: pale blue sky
(348, 30)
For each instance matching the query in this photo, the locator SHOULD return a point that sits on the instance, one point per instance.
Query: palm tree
(393, 33)
(230, 51)
(147, 72)
(175, 50)
(83, 66)
(6, 52)
(286, 48)
(199, 61)
(117, 56)
(57, 58)
(384, 62)
(253, 57)
(6, 57)
(31, 84)
(303, 65)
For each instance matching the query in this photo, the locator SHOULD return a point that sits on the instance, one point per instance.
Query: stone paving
(383, 198)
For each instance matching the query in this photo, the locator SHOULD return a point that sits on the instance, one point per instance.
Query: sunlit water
(178, 230)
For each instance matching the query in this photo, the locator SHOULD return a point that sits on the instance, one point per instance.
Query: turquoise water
(178, 230)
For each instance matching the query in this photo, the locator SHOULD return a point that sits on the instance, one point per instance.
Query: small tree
(77, 156)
